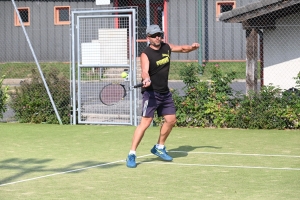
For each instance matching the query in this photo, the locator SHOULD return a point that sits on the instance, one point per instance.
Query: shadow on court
(16, 168)
(181, 151)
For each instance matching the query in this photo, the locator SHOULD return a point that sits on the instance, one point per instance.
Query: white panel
(90, 53)
(114, 47)
(110, 48)
(102, 2)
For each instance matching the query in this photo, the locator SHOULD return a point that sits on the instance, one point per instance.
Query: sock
(160, 146)
(132, 152)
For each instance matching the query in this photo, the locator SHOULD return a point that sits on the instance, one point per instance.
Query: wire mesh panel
(105, 48)
(272, 31)
(273, 27)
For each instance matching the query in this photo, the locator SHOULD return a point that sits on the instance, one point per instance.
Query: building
(47, 25)
(277, 24)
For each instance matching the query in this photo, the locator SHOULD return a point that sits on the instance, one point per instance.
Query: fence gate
(103, 46)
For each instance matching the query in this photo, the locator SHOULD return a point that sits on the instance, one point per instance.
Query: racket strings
(112, 94)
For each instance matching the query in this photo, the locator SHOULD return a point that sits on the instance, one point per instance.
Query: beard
(155, 44)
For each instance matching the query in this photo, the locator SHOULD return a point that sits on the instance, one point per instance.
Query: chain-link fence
(257, 39)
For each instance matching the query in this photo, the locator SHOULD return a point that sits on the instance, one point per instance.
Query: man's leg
(159, 149)
(139, 132)
(166, 128)
(136, 139)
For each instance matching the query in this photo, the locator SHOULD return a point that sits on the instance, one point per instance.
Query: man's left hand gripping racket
(112, 93)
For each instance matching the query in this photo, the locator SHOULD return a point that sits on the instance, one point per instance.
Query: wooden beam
(264, 22)
(251, 59)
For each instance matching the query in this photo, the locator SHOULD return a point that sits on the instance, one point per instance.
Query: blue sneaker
(130, 161)
(161, 153)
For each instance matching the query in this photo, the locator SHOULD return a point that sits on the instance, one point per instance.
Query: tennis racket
(112, 93)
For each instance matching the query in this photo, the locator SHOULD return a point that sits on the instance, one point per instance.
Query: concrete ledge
(12, 81)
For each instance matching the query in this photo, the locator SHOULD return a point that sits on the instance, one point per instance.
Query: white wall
(282, 52)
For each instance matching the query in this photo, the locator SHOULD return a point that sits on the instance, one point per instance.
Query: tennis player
(155, 64)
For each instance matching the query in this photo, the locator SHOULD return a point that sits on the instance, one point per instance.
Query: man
(155, 64)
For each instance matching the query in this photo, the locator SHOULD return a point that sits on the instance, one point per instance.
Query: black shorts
(161, 102)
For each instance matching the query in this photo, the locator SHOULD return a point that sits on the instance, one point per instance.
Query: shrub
(205, 104)
(213, 104)
(32, 104)
(267, 109)
(3, 98)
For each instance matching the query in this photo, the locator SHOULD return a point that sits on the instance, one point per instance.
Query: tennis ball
(124, 75)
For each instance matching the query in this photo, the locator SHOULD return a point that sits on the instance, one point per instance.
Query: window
(224, 6)
(62, 15)
(25, 16)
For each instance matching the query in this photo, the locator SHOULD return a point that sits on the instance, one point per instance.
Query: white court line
(223, 166)
(212, 153)
(238, 154)
(69, 171)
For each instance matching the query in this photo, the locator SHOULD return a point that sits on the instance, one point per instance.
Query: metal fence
(263, 36)
(103, 48)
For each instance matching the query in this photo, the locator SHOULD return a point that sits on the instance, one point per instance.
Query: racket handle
(138, 85)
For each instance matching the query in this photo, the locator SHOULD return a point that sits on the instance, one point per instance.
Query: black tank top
(159, 68)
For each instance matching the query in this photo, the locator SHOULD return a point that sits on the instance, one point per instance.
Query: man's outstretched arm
(184, 48)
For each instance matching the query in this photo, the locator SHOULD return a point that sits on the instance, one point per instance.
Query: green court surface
(88, 162)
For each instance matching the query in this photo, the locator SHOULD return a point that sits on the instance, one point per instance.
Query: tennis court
(88, 162)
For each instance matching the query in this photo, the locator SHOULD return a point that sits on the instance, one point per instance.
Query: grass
(23, 70)
(36, 162)
(225, 67)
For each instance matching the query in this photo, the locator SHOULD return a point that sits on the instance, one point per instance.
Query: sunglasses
(155, 35)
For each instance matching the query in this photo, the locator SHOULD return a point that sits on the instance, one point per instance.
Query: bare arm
(145, 70)
(184, 48)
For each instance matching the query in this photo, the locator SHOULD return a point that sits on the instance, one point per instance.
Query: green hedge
(214, 104)
(32, 104)
(3, 98)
